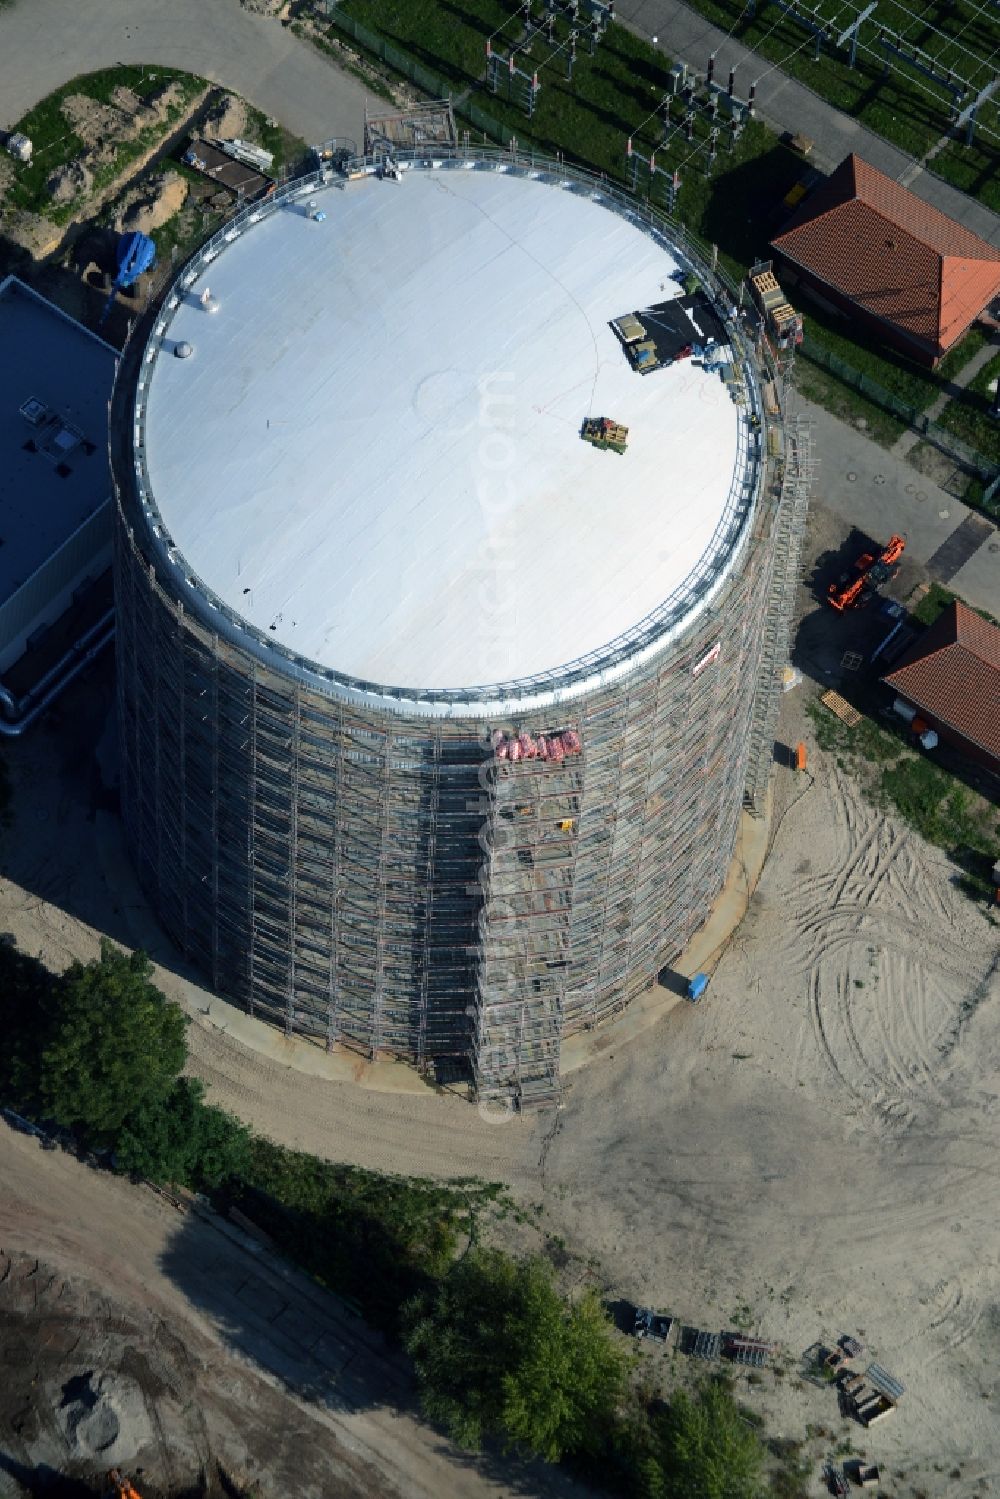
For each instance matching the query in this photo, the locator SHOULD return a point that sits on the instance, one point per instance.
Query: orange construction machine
(122, 1485)
(868, 574)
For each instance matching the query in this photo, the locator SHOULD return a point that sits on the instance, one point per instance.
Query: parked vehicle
(649, 1324)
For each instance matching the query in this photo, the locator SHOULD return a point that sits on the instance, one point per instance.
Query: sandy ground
(812, 1151)
(817, 1144)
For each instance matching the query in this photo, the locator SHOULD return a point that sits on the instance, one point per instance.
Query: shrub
(499, 1353)
(182, 1139)
(89, 1047)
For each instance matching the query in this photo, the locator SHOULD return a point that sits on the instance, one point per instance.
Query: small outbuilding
(873, 250)
(951, 676)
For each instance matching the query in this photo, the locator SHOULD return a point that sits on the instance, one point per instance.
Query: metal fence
(426, 79)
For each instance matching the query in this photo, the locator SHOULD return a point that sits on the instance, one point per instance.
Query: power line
(654, 114)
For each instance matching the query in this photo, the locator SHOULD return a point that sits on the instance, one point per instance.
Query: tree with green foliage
(25, 996)
(182, 1139)
(110, 1045)
(701, 1445)
(498, 1352)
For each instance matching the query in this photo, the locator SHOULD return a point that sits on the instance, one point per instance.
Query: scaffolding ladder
(790, 496)
(525, 929)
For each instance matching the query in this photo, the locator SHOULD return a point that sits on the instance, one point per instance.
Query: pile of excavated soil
(226, 120)
(104, 1416)
(170, 96)
(127, 100)
(71, 181)
(97, 124)
(155, 207)
(38, 235)
(102, 127)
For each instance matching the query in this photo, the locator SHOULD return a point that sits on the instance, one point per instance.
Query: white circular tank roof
(374, 456)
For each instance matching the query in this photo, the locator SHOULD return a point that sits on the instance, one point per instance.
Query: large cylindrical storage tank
(436, 708)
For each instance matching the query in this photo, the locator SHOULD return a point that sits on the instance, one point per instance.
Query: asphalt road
(867, 487)
(45, 42)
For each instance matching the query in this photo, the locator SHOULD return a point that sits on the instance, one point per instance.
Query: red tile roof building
(952, 677)
(877, 251)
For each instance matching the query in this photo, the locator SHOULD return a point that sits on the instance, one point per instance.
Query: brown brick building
(904, 270)
(952, 677)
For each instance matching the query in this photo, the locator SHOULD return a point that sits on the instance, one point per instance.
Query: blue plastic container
(697, 987)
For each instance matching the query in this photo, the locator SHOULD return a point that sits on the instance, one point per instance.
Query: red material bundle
(556, 751)
(543, 747)
(571, 742)
(529, 749)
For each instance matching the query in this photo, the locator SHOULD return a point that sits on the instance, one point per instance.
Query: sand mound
(39, 236)
(69, 182)
(99, 124)
(104, 1415)
(166, 99)
(155, 208)
(95, 123)
(226, 119)
(127, 100)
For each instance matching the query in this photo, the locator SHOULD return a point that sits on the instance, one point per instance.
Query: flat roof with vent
(55, 384)
(374, 454)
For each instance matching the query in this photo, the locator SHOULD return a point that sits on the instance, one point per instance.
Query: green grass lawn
(936, 600)
(915, 386)
(591, 119)
(969, 414)
(907, 381)
(975, 169)
(447, 37)
(55, 143)
(287, 149)
(824, 389)
(958, 357)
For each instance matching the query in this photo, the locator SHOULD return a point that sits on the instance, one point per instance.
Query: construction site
(499, 709)
(370, 811)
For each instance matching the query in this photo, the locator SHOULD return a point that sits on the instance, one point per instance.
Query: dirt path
(812, 1150)
(240, 1361)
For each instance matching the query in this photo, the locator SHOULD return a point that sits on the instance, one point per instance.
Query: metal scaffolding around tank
(361, 868)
